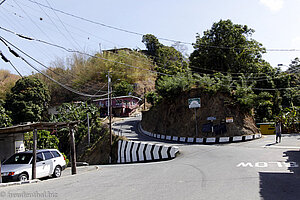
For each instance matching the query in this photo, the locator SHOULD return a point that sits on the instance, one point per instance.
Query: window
(47, 155)
(39, 157)
(55, 154)
(20, 158)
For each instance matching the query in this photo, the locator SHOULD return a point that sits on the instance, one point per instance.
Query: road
(259, 169)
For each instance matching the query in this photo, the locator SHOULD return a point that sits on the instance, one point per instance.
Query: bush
(171, 86)
(153, 98)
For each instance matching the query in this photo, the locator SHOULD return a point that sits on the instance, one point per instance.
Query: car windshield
(19, 158)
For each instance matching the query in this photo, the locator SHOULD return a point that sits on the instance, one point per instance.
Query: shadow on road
(282, 185)
(271, 144)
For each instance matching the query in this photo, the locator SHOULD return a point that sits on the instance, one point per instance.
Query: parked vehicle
(49, 162)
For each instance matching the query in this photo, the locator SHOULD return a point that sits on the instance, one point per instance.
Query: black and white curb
(209, 140)
(132, 152)
(19, 183)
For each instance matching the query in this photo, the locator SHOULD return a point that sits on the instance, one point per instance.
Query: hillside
(175, 118)
(7, 81)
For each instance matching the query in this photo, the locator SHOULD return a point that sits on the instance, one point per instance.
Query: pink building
(122, 106)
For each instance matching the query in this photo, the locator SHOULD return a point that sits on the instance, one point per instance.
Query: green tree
(152, 44)
(122, 89)
(294, 72)
(168, 60)
(5, 119)
(227, 47)
(68, 112)
(28, 100)
(46, 140)
(171, 86)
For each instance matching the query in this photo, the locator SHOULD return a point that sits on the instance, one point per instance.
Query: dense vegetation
(128, 69)
(28, 100)
(226, 58)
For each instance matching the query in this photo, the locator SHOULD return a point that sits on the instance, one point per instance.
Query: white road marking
(268, 164)
(282, 147)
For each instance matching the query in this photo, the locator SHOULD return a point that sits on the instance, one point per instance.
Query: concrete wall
(131, 152)
(10, 144)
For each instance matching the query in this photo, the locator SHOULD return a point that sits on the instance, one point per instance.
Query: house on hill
(122, 106)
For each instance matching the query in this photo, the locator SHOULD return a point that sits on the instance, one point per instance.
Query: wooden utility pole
(0, 173)
(34, 154)
(109, 102)
(144, 98)
(73, 150)
(89, 133)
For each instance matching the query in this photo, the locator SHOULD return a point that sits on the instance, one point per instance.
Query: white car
(49, 162)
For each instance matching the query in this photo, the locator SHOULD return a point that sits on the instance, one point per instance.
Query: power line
(82, 94)
(82, 53)
(16, 23)
(2, 2)
(70, 50)
(74, 51)
(141, 34)
(64, 26)
(8, 61)
(5, 42)
(105, 25)
(32, 20)
(74, 27)
(257, 79)
(54, 24)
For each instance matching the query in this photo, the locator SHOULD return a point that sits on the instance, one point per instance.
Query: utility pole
(72, 150)
(0, 173)
(144, 98)
(34, 154)
(89, 134)
(109, 113)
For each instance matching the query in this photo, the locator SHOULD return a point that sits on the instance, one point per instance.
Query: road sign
(211, 118)
(229, 119)
(194, 103)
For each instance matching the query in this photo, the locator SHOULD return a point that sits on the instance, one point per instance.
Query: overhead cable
(8, 61)
(104, 25)
(2, 2)
(62, 85)
(82, 53)
(141, 34)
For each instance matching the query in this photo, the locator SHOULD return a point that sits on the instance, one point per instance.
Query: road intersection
(257, 169)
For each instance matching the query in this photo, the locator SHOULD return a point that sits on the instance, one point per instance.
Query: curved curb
(135, 152)
(19, 183)
(209, 140)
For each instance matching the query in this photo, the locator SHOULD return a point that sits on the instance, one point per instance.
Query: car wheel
(23, 177)
(57, 172)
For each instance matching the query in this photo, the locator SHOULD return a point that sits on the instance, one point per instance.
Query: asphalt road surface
(258, 169)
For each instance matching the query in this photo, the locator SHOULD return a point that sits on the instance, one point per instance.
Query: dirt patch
(173, 117)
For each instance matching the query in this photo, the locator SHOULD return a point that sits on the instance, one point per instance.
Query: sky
(276, 25)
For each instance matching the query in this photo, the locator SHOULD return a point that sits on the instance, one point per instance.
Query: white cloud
(273, 5)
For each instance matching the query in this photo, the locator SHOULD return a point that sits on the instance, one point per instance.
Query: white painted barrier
(134, 151)
(237, 138)
(249, 137)
(224, 139)
(190, 140)
(210, 140)
(129, 151)
(141, 152)
(148, 151)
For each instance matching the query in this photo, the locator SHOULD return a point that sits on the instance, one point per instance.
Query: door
(40, 165)
(48, 163)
